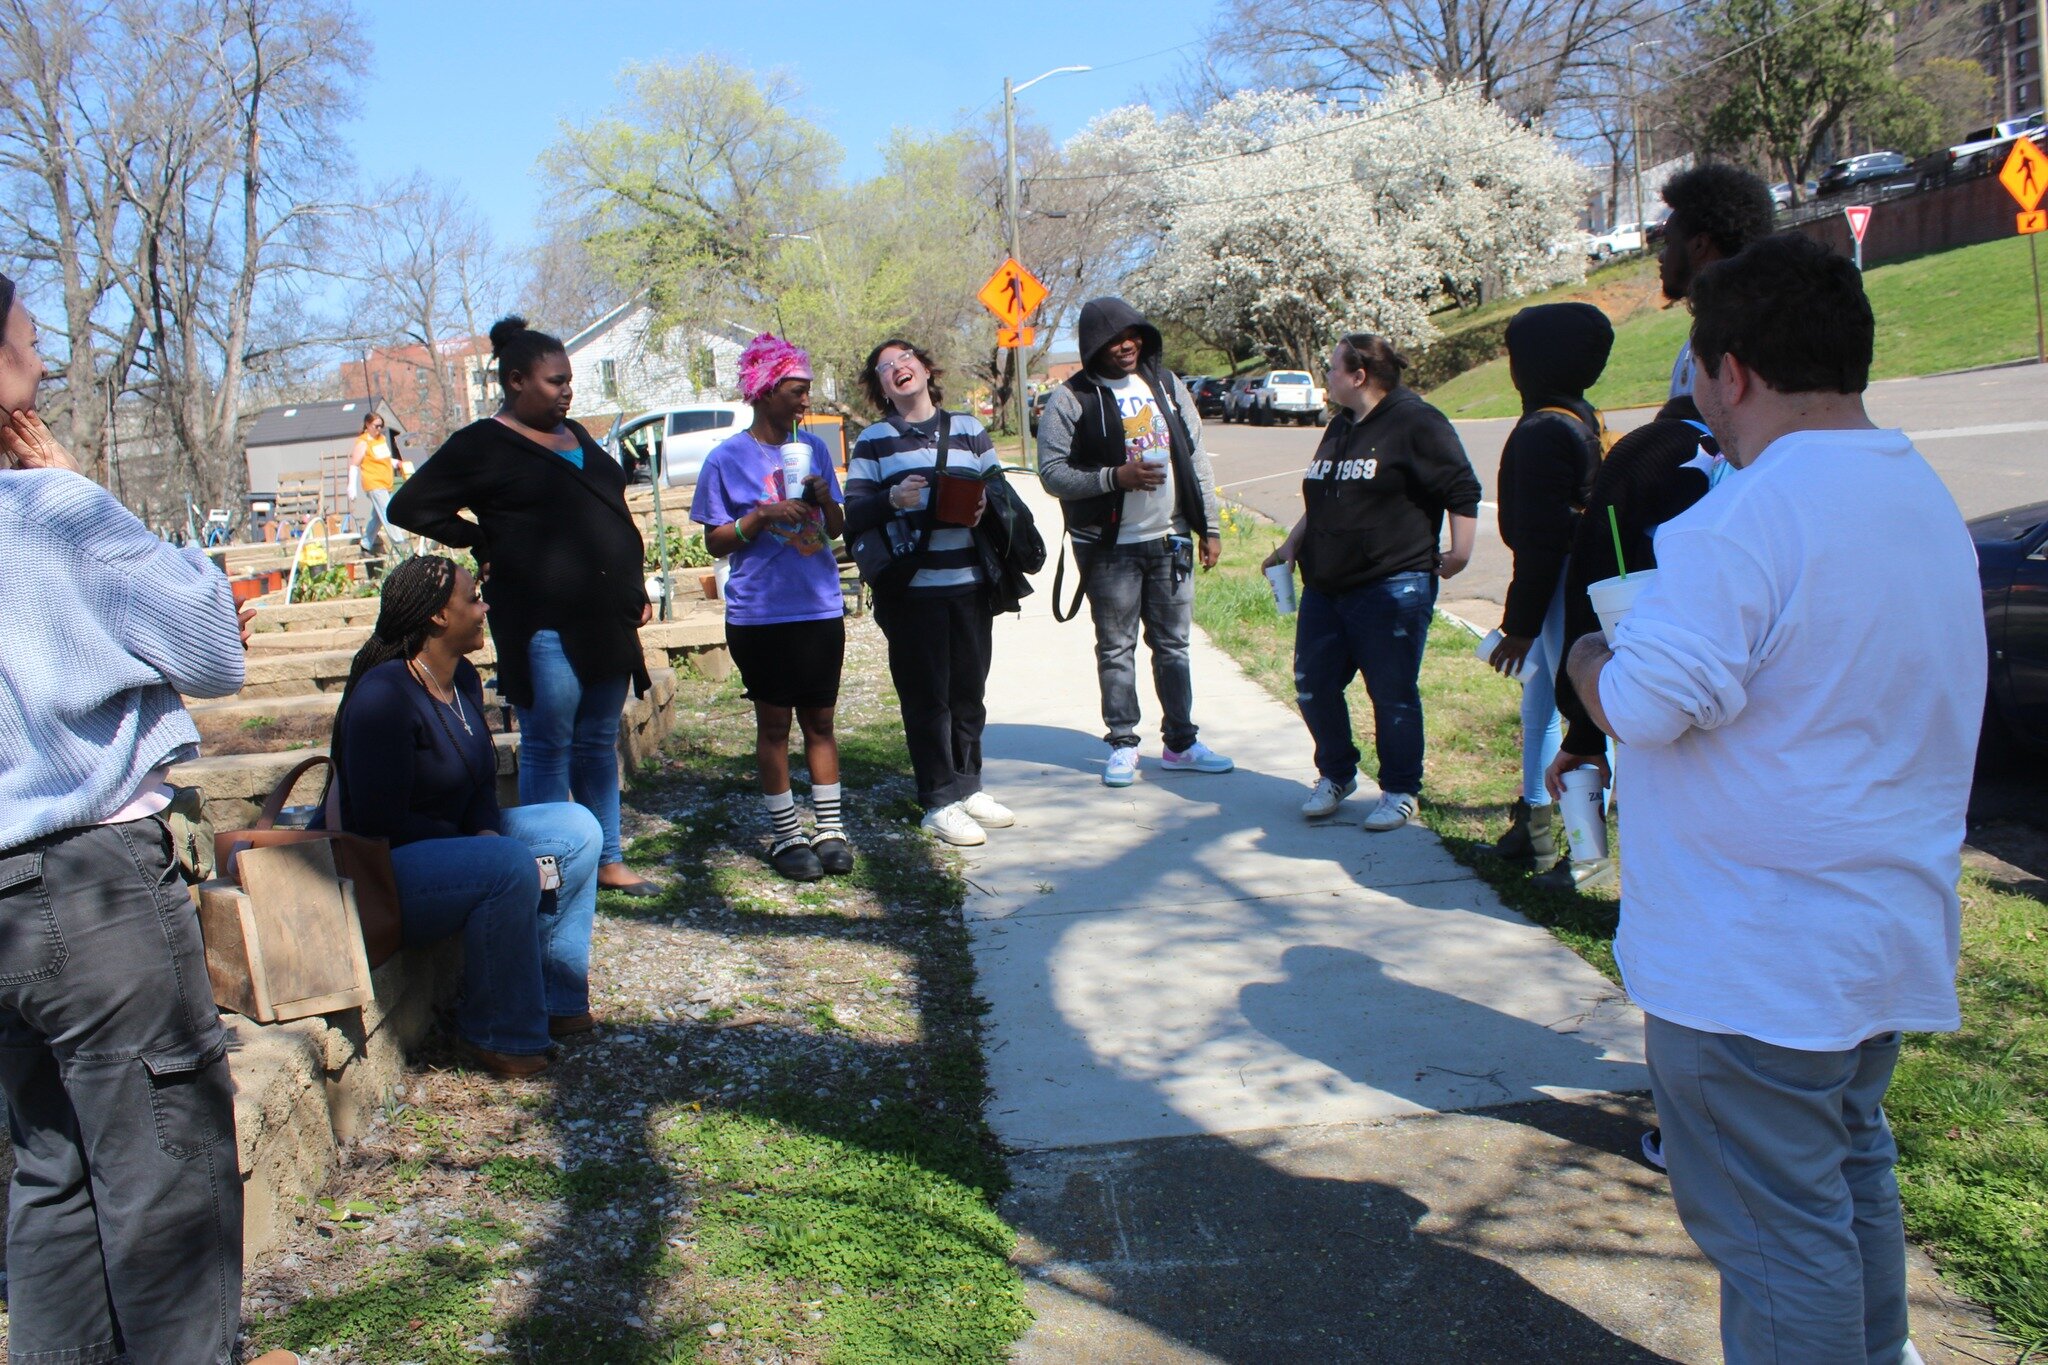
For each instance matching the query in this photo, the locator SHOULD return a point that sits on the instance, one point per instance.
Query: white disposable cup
(1281, 576)
(1491, 643)
(1158, 455)
(1585, 824)
(1613, 598)
(796, 467)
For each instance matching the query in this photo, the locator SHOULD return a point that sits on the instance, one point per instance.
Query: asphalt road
(1985, 432)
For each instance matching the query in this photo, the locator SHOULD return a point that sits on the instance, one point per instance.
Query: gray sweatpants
(124, 1226)
(1781, 1167)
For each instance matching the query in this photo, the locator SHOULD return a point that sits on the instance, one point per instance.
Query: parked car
(1781, 193)
(674, 441)
(1290, 394)
(1981, 152)
(1241, 397)
(2012, 561)
(1036, 405)
(1621, 238)
(1208, 395)
(1879, 170)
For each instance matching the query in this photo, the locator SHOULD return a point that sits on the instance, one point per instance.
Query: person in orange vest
(370, 467)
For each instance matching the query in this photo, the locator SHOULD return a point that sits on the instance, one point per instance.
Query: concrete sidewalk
(1222, 1039)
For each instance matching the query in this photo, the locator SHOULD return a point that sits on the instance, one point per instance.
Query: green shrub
(1451, 355)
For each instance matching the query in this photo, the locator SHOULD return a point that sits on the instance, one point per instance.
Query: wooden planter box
(286, 943)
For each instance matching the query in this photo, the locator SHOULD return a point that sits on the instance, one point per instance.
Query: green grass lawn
(1951, 310)
(1970, 1109)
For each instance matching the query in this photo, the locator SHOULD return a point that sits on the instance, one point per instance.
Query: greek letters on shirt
(1344, 469)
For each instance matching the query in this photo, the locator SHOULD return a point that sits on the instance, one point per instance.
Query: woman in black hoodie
(1556, 352)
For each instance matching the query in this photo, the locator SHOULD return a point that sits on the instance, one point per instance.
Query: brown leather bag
(365, 862)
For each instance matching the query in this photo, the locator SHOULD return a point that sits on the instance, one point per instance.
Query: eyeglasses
(891, 364)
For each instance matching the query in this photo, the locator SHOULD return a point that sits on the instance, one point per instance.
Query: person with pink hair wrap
(784, 615)
(767, 361)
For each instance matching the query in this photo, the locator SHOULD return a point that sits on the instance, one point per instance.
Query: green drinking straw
(1615, 527)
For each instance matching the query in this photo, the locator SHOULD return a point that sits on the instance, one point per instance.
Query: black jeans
(1133, 586)
(124, 1229)
(938, 656)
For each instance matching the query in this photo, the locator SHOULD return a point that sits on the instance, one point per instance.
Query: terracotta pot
(709, 581)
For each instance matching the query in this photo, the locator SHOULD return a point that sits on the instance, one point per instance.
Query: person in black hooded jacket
(1556, 352)
(1120, 446)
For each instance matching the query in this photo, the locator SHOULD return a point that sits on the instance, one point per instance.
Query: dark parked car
(1035, 406)
(2012, 560)
(1241, 397)
(1208, 395)
(1876, 169)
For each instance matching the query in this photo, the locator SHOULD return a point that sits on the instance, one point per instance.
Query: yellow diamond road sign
(2026, 173)
(1013, 293)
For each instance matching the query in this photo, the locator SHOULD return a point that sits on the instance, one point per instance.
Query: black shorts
(793, 663)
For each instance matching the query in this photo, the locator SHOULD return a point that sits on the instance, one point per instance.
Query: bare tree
(73, 116)
(565, 288)
(1531, 55)
(434, 279)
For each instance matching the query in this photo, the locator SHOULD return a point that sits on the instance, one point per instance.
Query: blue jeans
(1542, 726)
(569, 738)
(1131, 587)
(518, 965)
(1378, 630)
(377, 525)
(1782, 1168)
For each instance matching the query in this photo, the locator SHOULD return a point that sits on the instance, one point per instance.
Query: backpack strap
(1059, 575)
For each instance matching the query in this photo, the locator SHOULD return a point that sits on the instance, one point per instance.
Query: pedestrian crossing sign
(2034, 220)
(2026, 174)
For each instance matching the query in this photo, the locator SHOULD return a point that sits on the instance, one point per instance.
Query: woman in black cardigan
(563, 573)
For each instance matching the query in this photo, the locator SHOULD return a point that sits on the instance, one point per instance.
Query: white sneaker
(1196, 758)
(954, 825)
(988, 812)
(1122, 768)
(1325, 797)
(1394, 810)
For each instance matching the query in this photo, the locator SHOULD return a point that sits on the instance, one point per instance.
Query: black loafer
(835, 855)
(797, 862)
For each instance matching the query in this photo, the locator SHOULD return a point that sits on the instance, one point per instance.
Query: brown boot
(513, 1066)
(570, 1025)
(1531, 837)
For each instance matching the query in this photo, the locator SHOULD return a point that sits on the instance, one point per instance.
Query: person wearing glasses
(372, 465)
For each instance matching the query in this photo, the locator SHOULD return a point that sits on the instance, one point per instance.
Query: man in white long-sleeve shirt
(1799, 691)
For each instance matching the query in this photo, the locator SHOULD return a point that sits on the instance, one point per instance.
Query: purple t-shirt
(785, 573)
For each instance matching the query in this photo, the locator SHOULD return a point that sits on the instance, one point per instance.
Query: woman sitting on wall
(417, 766)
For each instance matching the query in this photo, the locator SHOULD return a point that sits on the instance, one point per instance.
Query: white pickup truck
(1290, 393)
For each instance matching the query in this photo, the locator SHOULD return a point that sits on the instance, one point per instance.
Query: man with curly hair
(1716, 211)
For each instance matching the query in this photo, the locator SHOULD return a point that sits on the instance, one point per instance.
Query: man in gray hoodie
(1120, 445)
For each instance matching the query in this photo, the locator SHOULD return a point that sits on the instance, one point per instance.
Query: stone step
(342, 611)
(306, 641)
(277, 708)
(341, 547)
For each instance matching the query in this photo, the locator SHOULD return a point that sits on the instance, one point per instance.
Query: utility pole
(1014, 211)
(1635, 143)
(1018, 399)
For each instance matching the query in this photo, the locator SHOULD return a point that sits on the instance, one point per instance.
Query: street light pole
(1017, 397)
(1635, 144)
(1011, 211)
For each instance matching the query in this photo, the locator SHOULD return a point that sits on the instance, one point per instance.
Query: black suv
(1208, 395)
(1872, 168)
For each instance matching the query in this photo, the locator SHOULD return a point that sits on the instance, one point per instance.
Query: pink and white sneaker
(1196, 758)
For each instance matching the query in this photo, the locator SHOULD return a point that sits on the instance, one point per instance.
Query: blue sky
(471, 92)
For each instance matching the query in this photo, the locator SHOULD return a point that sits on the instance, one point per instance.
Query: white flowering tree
(1281, 218)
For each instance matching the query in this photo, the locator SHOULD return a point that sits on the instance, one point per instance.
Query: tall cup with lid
(796, 467)
(1585, 824)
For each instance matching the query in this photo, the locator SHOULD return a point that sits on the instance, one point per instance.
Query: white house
(623, 367)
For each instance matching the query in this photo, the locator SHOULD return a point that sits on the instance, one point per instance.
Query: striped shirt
(891, 451)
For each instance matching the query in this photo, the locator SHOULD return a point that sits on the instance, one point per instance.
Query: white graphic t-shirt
(1147, 516)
